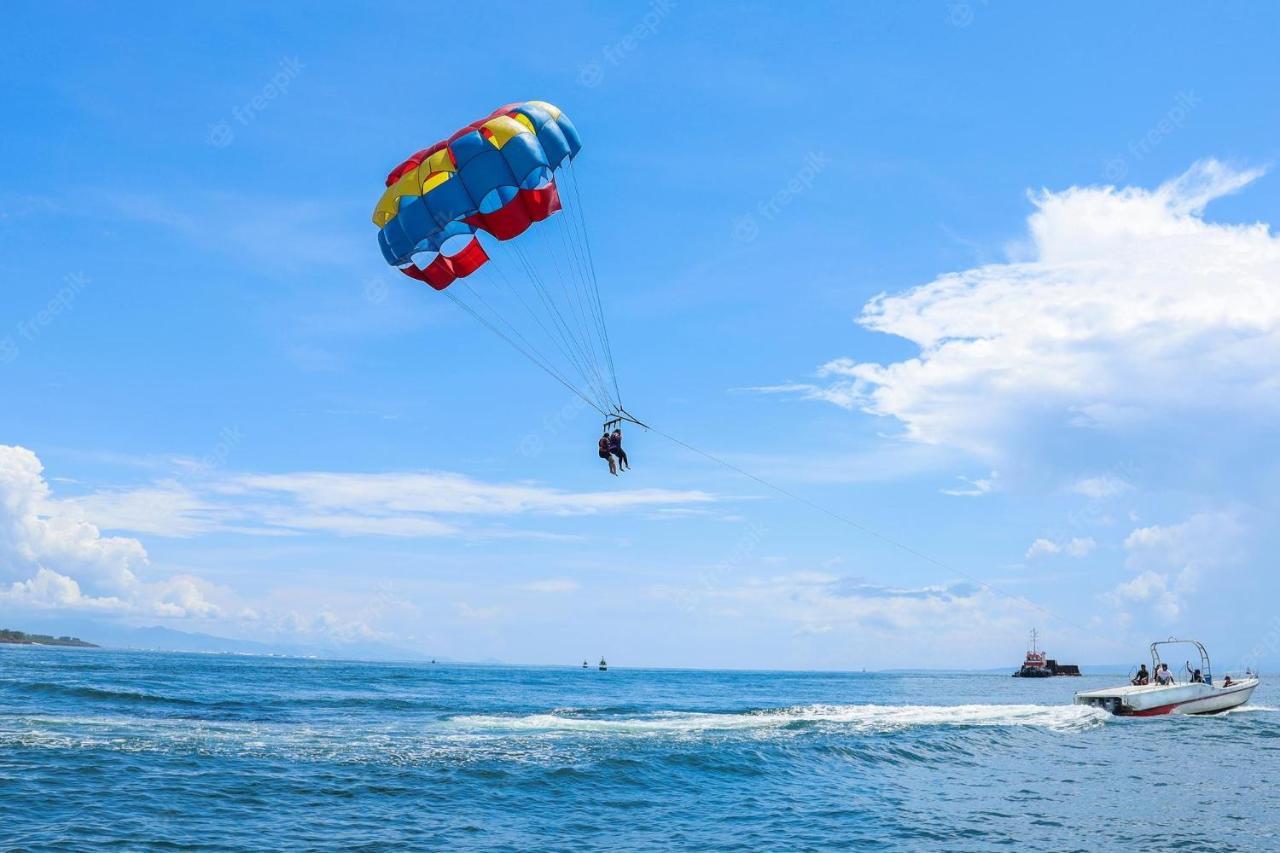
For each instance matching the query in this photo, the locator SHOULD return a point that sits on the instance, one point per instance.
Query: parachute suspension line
(570, 240)
(569, 357)
(542, 360)
(586, 309)
(844, 519)
(575, 311)
(550, 371)
(567, 321)
(566, 333)
(582, 247)
(587, 355)
(524, 347)
(595, 282)
(581, 304)
(557, 337)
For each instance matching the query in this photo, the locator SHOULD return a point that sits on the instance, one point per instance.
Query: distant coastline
(21, 639)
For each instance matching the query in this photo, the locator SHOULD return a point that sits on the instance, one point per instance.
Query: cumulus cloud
(1131, 309)
(1152, 590)
(1041, 547)
(1100, 487)
(1079, 546)
(54, 558)
(1170, 560)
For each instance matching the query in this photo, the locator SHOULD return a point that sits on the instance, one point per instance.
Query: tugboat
(1037, 665)
(603, 665)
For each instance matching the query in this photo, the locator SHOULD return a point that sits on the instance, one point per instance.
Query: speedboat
(1197, 694)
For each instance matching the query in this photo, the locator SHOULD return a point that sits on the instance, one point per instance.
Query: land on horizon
(21, 638)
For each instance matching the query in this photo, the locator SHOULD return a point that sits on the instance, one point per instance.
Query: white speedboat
(1196, 694)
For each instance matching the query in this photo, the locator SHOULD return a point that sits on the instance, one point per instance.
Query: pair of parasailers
(610, 447)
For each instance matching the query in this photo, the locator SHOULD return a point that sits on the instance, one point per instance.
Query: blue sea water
(146, 750)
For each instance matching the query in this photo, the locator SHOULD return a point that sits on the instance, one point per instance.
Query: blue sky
(1019, 313)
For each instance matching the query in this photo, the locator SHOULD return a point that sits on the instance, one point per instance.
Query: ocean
(145, 750)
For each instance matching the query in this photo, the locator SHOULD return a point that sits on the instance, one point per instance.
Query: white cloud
(976, 488)
(1170, 559)
(446, 494)
(1080, 546)
(1153, 590)
(1041, 547)
(56, 558)
(550, 585)
(817, 602)
(1076, 547)
(1132, 310)
(413, 505)
(166, 508)
(1100, 487)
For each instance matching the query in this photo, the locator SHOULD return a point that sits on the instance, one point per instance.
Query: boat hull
(1155, 700)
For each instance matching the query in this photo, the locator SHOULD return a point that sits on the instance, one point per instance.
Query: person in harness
(606, 455)
(615, 447)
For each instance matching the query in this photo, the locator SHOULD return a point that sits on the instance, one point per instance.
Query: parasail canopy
(504, 178)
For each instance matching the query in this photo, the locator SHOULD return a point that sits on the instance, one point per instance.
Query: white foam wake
(860, 718)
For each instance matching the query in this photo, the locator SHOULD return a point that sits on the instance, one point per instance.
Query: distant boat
(1037, 665)
(603, 665)
(584, 665)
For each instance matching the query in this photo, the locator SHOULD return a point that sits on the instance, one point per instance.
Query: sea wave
(84, 691)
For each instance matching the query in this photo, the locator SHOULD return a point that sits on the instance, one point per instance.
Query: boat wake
(857, 718)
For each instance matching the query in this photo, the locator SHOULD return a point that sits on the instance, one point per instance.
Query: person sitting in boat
(1143, 677)
(1163, 675)
(1226, 681)
(1196, 677)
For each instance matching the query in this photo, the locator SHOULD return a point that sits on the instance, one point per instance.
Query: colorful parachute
(496, 178)
(496, 174)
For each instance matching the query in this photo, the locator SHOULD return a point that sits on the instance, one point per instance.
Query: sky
(990, 288)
